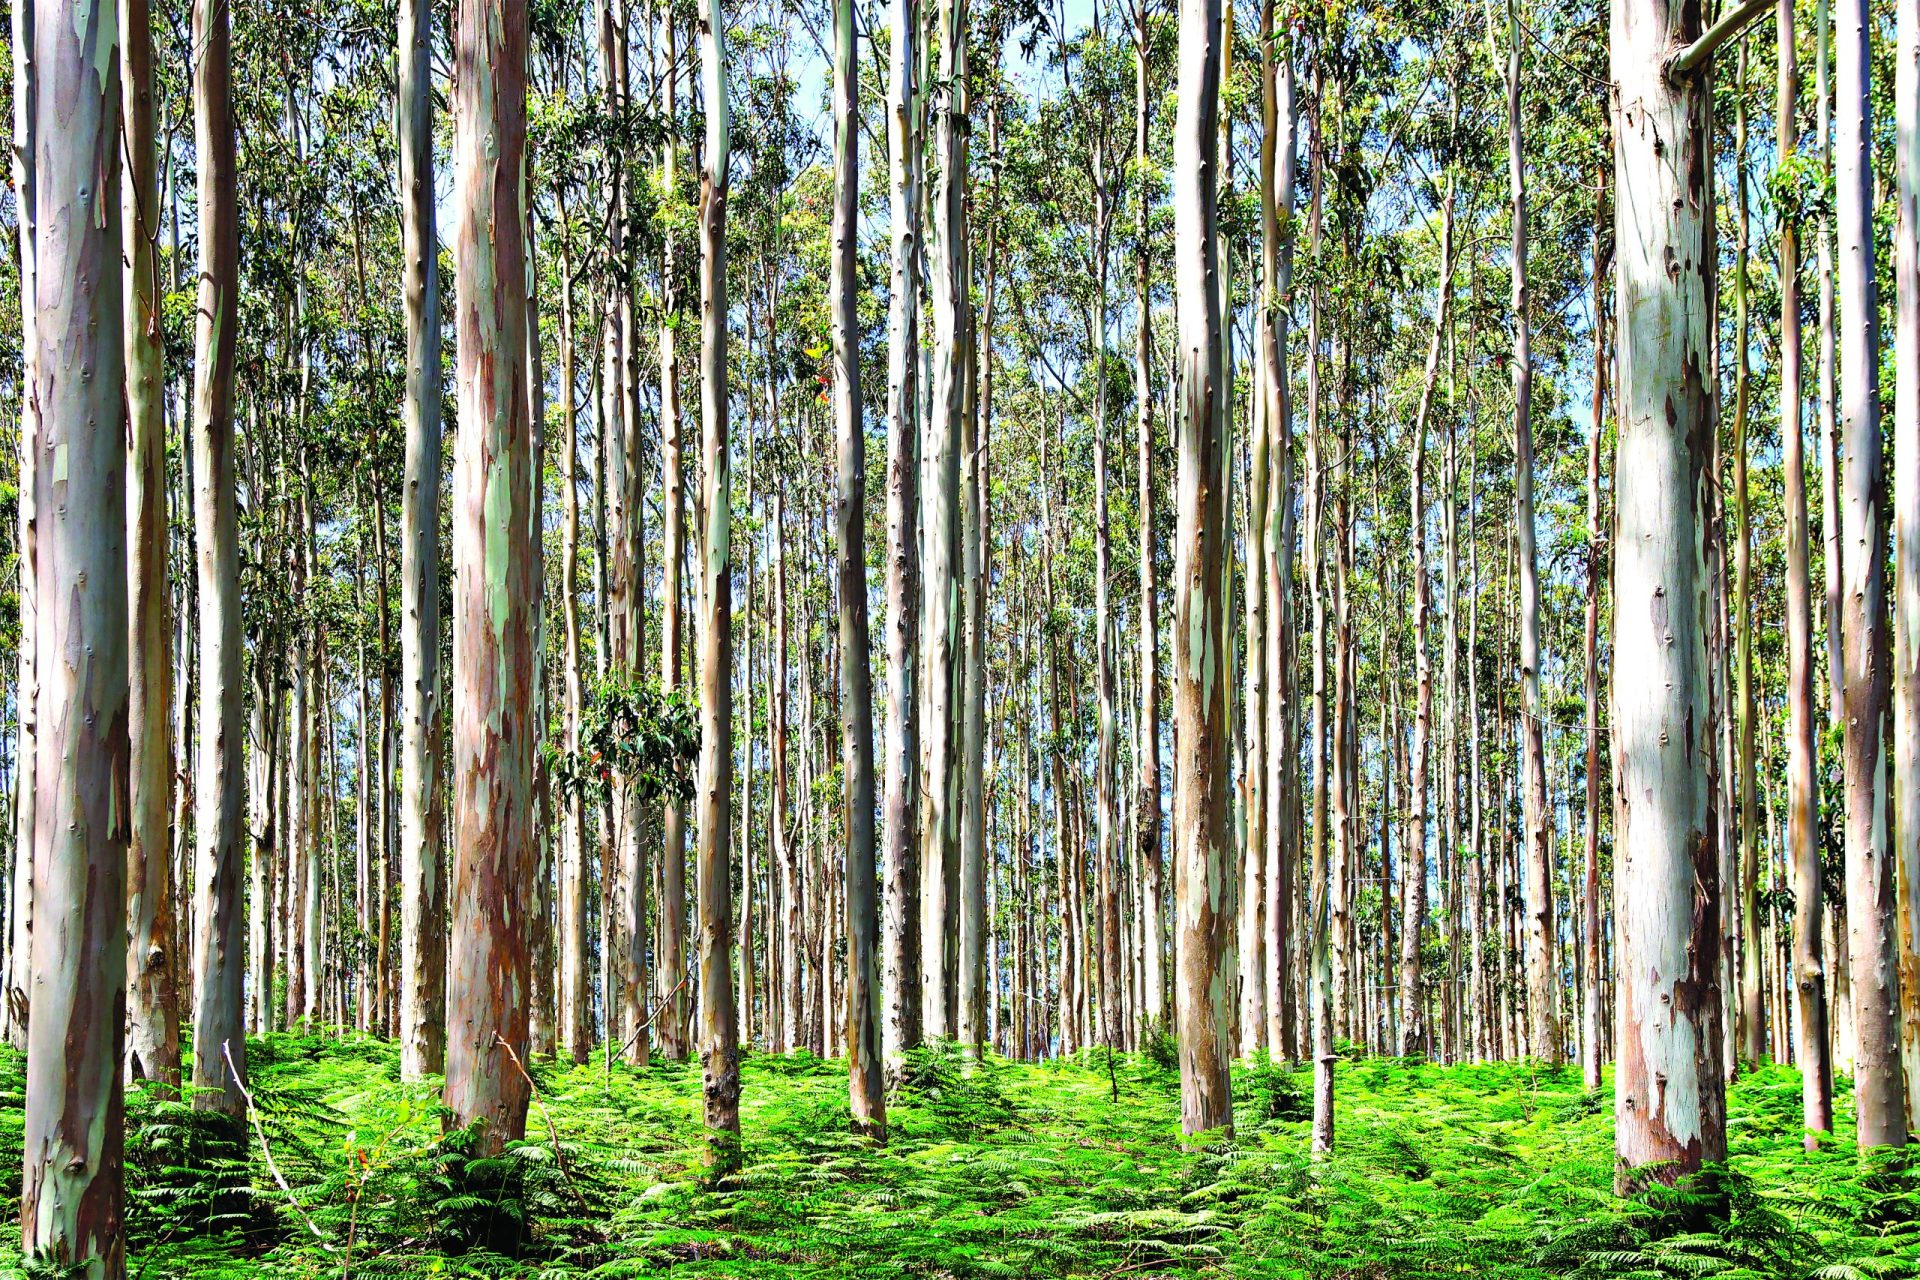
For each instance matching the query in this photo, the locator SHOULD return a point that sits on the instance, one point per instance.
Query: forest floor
(1059, 1169)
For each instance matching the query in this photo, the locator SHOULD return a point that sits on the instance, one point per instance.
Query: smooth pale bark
(1669, 1093)
(1278, 166)
(1591, 912)
(970, 967)
(575, 997)
(153, 1010)
(219, 960)
(672, 907)
(1413, 1032)
(1106, 750)
(940, 631)
(1906, 540)
(866, 1085)
(1318, 909)
(718, 1035)
(900, 955)
(1811, 1045)
(1879, 1098)
(72, 1201)
(1203, 824)
(1147, 820)
(19, 976)
(1751, 1022)
(488, 997)
(1542, 968)
(422, 888)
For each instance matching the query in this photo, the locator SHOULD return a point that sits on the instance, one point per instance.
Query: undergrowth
(1058, 1169)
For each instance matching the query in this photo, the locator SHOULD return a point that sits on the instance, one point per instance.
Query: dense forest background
(1189, 573)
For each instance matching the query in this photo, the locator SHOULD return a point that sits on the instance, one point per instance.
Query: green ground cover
(1060, 1169)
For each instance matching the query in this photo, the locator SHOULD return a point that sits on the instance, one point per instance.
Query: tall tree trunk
(940, 527)
(1542, 967)
(1669, 1094)
(1906, 541)
(672, 907)
(1413, 1030)
(423, 890)
(1879, 1099)
(72, 1202)
(1591, 1057)
(865, 1083)
(1834, 558)
(1803, 795)
(219, 961)
(1318, 909)
(900, 955)
(719, 1036)
(576, 997)
(1278, 165)
(493, 566)
(1202, 818)
(19, 976)
(1147, 825)
(153, 1010)
(1752, 1020)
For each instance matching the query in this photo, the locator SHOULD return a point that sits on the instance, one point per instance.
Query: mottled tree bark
(19, 977)
(1906, 541)
(219, 960)
(1202, 817)
(72, 1198)
(1147, 823)
(422, 888)
(940, 530)
(1669, 1093)
(1811, 1045)
(1543, 1027)
(1879, 1098)
(719, 1036)
(153, 1009)
(865, 1083)
(900, 937)
(493, 566)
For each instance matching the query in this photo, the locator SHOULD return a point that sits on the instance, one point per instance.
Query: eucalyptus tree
(72, 1200)
(219, 924)
(423, 890)
(1811, 1042)
(153, 1009)
(1202, 822)
(1669, 1090)
(950, 275)
(1880, 1103)
(864, 1076)
(719, 1038)
(494, 563)
(899, 943)
(1906, 541)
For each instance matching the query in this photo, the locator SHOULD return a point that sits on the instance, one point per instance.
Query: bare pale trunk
(219, 959)
(1879, 1098)
(72, 1202)
(865, 1081)
(1812, 1049)
(1669, 1092)
(1203, 828)
(1906, 541)
(900, 955)
(719, 1035)
(153, 1010)
(493, 564)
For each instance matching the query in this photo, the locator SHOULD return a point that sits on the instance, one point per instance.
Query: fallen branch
(253, 1114)
(559, 1156)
